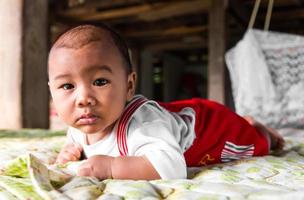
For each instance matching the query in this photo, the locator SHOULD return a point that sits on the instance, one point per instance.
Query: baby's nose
(85, 98)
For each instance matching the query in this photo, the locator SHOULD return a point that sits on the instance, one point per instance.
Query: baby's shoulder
(149, 112)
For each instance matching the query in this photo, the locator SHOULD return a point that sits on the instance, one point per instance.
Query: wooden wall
(24, 99)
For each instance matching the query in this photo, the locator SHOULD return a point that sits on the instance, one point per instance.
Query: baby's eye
(67, 86)
(100, 82)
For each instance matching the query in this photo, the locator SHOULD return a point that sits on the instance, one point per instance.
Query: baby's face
(89, 86)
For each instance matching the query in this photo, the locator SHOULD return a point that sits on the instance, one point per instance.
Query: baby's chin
(91, 130)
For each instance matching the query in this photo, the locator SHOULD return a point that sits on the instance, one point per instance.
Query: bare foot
(276, 140)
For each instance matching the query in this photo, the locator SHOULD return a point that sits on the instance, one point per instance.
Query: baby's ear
(131, 85)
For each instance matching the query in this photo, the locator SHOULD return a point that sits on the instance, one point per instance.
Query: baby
(126, 136)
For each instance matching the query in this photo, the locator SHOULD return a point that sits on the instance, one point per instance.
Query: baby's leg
(221, 134)
(275, 139)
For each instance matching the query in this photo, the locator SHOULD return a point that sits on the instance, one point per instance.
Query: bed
(27, 173)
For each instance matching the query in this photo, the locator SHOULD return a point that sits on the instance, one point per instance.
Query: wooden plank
(175, 9)
(146, 12)
(35, 96)
(10, 64)
(90, 7)
(76, 12)
(216, 65)
(113, 13)
(100, 3)
(175, 31)
(176, 45)
(24, 96)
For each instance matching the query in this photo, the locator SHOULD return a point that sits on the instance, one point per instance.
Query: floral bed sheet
(26, 172)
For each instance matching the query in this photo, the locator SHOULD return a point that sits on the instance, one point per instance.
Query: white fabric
(267, 74)
(154, 132)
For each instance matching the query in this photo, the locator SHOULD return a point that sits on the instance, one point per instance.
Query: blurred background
(177, 47)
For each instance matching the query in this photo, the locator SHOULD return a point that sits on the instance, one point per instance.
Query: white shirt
(154, 132)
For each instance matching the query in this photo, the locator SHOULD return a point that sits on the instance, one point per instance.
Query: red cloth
(221, 134)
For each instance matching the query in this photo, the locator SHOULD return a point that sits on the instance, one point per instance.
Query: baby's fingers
(65, 157)
(61, 160)
(73, 148)
(70, 152)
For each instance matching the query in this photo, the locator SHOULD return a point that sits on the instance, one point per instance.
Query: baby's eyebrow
(61, 76)
(101, 68)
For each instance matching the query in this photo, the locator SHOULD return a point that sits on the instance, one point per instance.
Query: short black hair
(84, 34)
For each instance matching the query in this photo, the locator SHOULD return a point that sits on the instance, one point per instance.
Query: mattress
(27, 172)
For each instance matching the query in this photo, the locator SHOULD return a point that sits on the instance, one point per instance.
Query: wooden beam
(24, 100)
(10, 64)
(76, 12)
(101, 3)
(176, 45)
(217, 42)
(189, 21)
(35, 95)
(175, 9)
(146, 12)
(91, 7)
(176, 31)
(112, 13)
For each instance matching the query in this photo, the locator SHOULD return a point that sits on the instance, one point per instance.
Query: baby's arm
(70, 152)
(121, 167)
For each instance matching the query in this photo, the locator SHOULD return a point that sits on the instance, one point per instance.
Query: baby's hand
(97, 166)
(70, 152)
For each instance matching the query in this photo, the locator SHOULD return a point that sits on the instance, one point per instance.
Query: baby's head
(82, 35)
(90, 78)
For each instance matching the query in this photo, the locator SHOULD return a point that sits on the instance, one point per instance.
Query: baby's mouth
(87, 119)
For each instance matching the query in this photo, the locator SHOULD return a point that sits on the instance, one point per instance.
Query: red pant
(221, 135)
